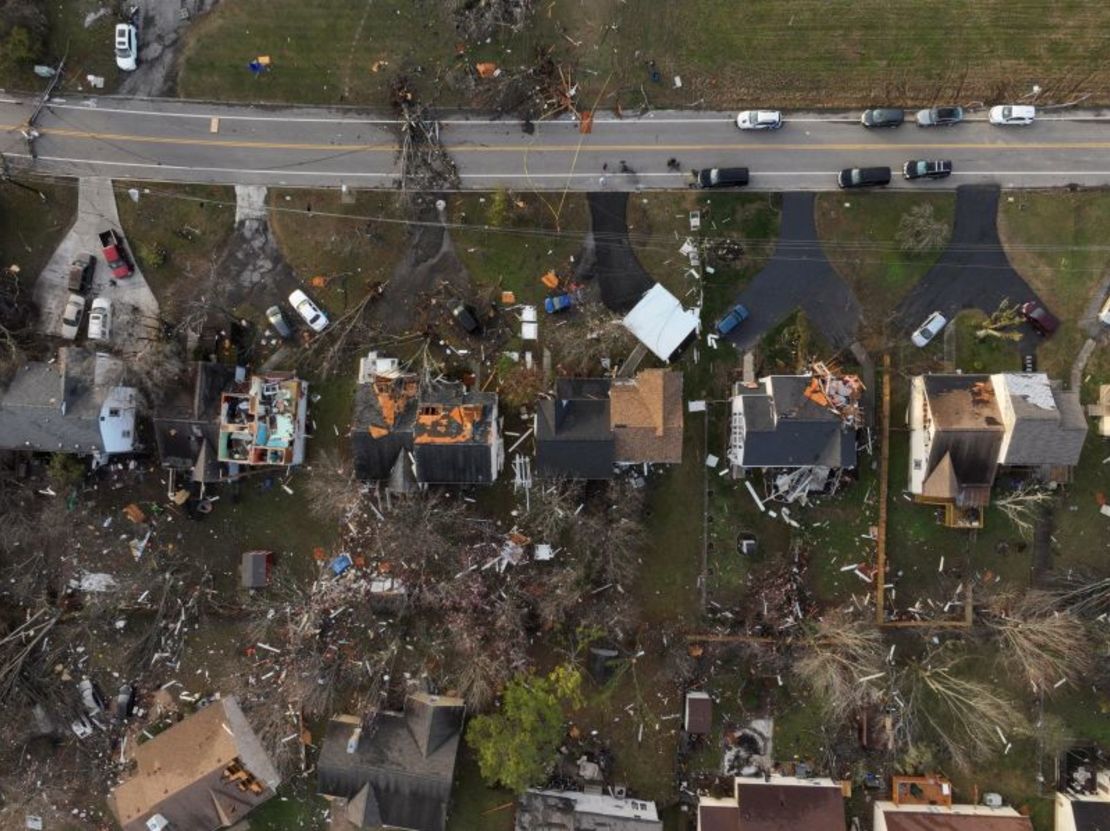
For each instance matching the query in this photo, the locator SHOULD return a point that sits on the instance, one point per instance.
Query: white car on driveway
(100, 319)
(71, 317)
(759, 120)
(127, 47)
(313, 316)
(1020, 114)
(934, 324)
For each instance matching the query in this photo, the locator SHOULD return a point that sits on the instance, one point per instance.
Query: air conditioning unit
(619, 791)
(157, 823)
(992, 800)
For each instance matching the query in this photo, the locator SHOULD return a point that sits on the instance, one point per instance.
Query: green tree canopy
(516, 746)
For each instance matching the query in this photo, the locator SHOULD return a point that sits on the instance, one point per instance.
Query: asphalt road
(168, 140)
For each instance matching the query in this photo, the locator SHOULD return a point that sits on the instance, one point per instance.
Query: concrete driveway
(973, 272)
(798, 276)
(134, 307)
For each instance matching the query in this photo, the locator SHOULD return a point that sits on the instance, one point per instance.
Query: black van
(721, 177)
(863, 177)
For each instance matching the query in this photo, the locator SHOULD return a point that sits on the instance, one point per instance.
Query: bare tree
(919, 230)
(580, 341)
(1047, 644)
(841, 661)
(331, 489)
(1024, 506)
(969, 719)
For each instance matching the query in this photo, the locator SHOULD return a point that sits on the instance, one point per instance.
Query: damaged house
(576, 811)
(206, 772)
(775, 803)
(592, 424)
(408, 432)
(76, 405)
(394, 770)
(803, 425)
(965, 428)
(186, 423)
(660, 322)
(1082, 792)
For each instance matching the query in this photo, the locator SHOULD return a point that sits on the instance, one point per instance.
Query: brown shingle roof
(646, 414)
(938, 821)
(771, 807)
(718, 818)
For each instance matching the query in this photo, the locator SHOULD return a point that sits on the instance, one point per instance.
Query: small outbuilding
(699, 714)
(255, 569)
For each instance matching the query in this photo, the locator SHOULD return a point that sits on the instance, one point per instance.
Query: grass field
(858, 232)
(840, 53)
(177, 233)
(31, 227)
(1056, 240)
(87, 51)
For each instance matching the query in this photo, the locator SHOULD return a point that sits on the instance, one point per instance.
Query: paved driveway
(134, 307)
(974, 272)
(607, 255)
(798, 275)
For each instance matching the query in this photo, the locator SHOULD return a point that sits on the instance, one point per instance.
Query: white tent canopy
(660, 323)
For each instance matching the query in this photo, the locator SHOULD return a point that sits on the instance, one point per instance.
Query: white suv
(127, 47)
(100, 319)
(759, 120)
(1021, 114)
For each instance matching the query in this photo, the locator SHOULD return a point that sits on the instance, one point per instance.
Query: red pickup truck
(115, 254)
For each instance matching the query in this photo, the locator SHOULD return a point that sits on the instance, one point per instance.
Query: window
(126, 434)
(113, 412)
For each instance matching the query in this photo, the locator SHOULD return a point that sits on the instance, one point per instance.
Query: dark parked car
(81, 273)
(883, 117)
(927, 169)
(1044, 323)
(863, 177)
(466, 316)
(940, 117)
(735, 316)
(721, 177)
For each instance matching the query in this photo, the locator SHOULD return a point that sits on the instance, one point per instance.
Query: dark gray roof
(1090, 815)
(408, 788)
(574, 434)
(186, 424)
(253, 569)
(56, 406)
(784, 428)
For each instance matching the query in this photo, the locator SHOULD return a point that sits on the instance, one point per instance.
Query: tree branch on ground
(841, 661)
(1048, 645)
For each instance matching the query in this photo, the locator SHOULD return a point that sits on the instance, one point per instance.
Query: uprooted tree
(965, 717)
(919, 230)
(517, 744)
(840, 660)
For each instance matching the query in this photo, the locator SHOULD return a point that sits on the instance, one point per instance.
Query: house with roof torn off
(1082, 791)
(539, 810)
(410, 432)
(395, 769)
(206, 772)
(77, 405)
(965, 428)
(924, 803)
(804, 427)
(591, 425)
(775, 803)
(262, 421)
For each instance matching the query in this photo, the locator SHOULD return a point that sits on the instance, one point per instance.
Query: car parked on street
(81, 273)
(721, 177)
(759, 120)
(1017, 114)
(315, 318)
(934, 324)
(100, 319)
(940, 116)
(277, 320)
(127, 47)
(883, 117)
(863, 177)
(927, 169)
(71, 317)
(557, 303)
(1044, 323)
(733, 318)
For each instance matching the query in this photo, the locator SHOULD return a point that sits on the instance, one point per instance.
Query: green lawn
(508, 240)
(989, 354)
(322, 235)
(87, 51)
(177, 234)
(1056, 240)
(859, 234)
(824, 55)
(30, 227)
